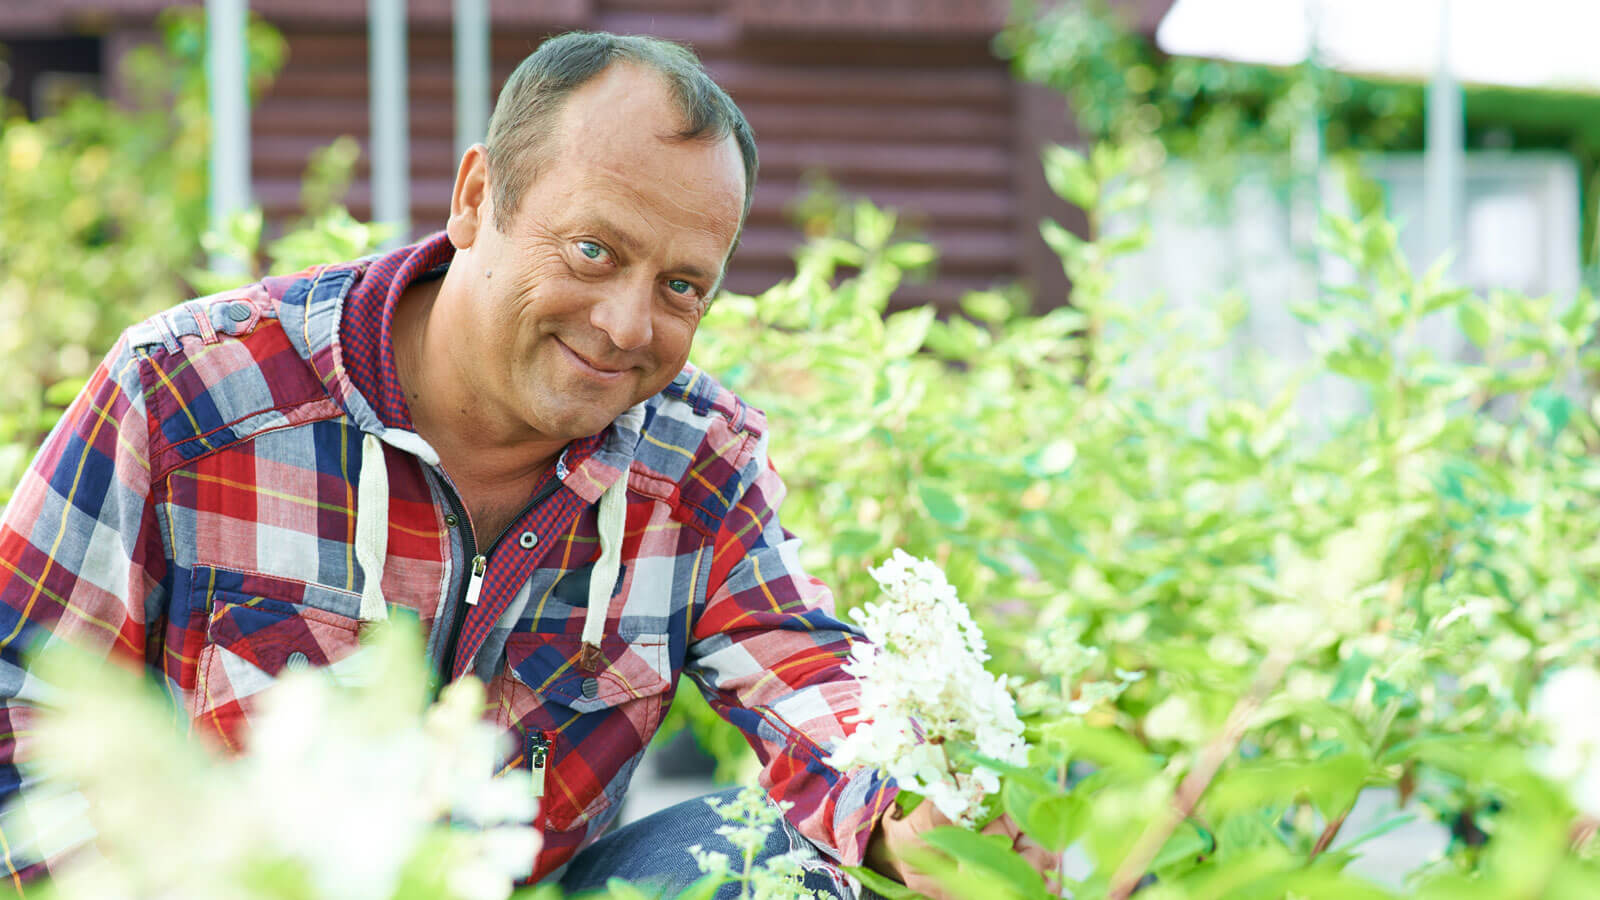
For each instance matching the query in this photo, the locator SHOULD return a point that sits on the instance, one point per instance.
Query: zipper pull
(538, 755)
(475, 581)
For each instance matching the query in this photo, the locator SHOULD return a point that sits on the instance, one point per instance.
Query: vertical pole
(472, 72)
(1444, 158)
(391, 128)
(226, 63)
(1305, 156)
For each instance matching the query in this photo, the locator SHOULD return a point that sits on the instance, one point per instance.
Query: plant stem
(1199, 778)
(1385, 722)
(1328, 834)
(1582, 832)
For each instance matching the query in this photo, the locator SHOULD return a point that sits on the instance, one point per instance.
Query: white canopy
(1521, 43)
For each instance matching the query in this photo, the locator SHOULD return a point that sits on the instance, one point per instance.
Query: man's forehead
(623, 99)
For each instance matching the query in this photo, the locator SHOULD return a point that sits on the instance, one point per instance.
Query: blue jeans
(653, 854)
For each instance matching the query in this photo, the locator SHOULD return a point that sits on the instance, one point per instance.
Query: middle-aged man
(498, 430)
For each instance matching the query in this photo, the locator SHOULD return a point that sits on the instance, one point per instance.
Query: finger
(1003, 825)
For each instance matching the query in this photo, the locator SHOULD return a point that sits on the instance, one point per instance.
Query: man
(498, 431)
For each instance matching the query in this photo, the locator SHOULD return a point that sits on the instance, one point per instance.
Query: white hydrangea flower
(341, 785)
(923, 683)
(1565, 703)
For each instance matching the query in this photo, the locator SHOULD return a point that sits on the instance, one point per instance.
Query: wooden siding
(900, 101)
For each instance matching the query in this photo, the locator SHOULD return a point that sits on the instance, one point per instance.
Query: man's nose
(623, 313)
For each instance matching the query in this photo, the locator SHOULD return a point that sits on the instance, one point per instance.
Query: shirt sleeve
(81, 563)
(768, 653)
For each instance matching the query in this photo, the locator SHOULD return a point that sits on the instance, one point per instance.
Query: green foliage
(102, 218)
(1408, 573)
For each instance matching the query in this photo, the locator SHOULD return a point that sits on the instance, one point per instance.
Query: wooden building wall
(897, 100)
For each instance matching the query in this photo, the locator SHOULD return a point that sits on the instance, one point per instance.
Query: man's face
(588, 302)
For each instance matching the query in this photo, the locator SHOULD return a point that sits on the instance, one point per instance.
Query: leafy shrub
(103, 217)
(1317, 608)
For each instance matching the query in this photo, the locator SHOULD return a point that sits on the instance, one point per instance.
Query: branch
(1582, 832)
(1199, 778)
(1328, 834)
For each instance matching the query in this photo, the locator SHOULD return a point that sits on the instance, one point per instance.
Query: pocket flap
(630, 668)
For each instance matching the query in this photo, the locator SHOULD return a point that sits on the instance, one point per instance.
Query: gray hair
(536, 92)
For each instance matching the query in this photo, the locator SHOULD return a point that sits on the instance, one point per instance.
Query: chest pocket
(591, 727)
(257, 627)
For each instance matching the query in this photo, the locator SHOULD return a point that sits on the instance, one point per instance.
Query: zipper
(469, 542)
(475, 581)
(480, 564)
(538, 758)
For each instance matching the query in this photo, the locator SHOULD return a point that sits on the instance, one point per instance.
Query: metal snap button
(451, 521)
(298, 661)
(591, 688)
(239, 312)
(527, 540)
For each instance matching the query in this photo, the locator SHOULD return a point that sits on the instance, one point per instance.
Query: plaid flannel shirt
(194, 510)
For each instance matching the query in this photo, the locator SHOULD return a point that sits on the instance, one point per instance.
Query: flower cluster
(923, 684)
(344, 791)
(1066, 662)
(1565, 704)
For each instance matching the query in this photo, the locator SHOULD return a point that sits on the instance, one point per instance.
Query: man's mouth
(590, 367)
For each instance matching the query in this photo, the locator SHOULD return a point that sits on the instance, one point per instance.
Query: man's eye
(679, 286)
(591, 250)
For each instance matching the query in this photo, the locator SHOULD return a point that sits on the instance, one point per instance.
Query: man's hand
(897, 834)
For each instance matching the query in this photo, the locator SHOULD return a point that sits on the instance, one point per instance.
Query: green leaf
(986, 306)
(990, 853)
(703, 889)
(1066, 245)
(1130, 242)
(1069, 175)
(1331, 784)
(1351, 676)
(904, 332)
(1474, 323)
(873, 226)
(1384, 690)
(622, 890)
(942, 506)
(882, 884)
(1052, 820)
(1580, 317)
(1555, 407)
(1110, 747)
(1186, 843)
(855, 542)
(911, 255)
(64, 391)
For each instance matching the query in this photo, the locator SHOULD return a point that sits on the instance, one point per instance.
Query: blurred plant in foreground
(751, 818)
(345, 792)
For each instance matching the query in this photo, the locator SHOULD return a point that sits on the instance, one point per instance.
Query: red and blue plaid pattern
(194, 511)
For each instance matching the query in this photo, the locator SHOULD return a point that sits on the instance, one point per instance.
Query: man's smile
(588, 368)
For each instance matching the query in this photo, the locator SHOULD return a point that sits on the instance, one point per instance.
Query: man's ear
(470, 204)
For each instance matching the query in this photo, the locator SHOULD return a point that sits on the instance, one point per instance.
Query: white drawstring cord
(372, 528)
(603, 579)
